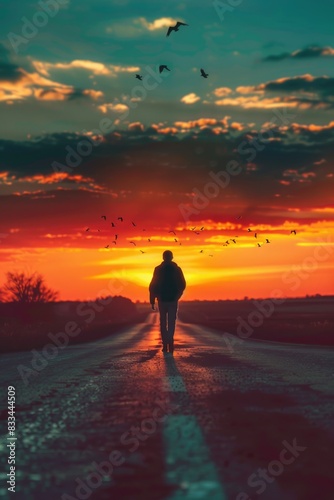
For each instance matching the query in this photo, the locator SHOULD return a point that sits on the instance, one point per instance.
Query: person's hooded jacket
(168, 283)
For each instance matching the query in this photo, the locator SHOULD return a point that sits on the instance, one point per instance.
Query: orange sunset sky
(50, 237)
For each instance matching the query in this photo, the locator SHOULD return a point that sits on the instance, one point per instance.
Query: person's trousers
(168, 312)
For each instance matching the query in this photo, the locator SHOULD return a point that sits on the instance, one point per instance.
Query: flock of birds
(133, 224)
(195, 230)
(164, 67)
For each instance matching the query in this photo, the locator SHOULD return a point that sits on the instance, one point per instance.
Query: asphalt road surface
(118, 419)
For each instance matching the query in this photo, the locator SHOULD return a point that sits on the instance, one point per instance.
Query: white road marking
(188, 463)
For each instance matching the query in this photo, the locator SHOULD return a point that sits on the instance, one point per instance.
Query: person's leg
(163, 323)
(172, 313)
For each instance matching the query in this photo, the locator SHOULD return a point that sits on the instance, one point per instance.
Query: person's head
(167, 256)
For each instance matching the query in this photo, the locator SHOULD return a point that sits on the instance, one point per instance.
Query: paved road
(253, 421)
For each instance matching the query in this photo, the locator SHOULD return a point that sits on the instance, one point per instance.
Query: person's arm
(153, 288)
(181, 283)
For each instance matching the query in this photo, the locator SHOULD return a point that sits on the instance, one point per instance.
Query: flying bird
(162, 67)
(205, 75)
(120, 218)
(104, 217)
(88, 228)
(115, 242)
(201, 251)
(202, 228)
(249, 230)
(293, 231)
(234, 241)
(175, 240)
(134, 224)
(133, 243)
(149, 239)
(112, 224)
(193, 228)
(267, 241)
(176, 27)
(196, 232)
(172, 232)
(227, 242)
(116, 236)
(139, 77)
(255, 234)
(259, 245)
(142, 251)
(107, 246)
(239, 217)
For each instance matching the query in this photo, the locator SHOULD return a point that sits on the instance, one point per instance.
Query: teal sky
(117, 34)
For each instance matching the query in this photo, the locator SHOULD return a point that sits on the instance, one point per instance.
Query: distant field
(25, 328)
(301, 321)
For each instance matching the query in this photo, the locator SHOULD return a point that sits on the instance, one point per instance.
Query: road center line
(188, 463)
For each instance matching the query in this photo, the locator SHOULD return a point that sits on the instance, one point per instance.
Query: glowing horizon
(297, 265)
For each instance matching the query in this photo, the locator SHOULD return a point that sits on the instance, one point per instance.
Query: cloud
(250, 89)
(305, 83)
(306, 91)
(138, 27)
(33, 85)
(238, 126)
(52, 95)
(94, 94)
(190, 98)
(64, 94)
(96, 68)
(168, 130)
(157, 24)
(23, 86)
(9, 71)
(222, 91)
(257, 102)
(136, 126)
(143, 161)
(47, 185)
(308, 52)
(116, 108)
(55, 178)
(6, 178)
(192, 124)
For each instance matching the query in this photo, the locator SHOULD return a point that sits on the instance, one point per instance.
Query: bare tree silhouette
(27, 288)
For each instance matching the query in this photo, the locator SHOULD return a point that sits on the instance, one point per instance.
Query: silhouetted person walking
(167, 286)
